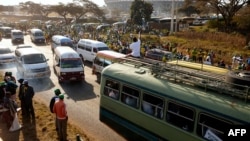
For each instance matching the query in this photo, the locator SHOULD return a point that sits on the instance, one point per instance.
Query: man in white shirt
(136, 47)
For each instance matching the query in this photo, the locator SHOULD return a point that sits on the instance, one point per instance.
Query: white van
(37, 35)
(104, 58)
(67, 64)
(88, 48)
(17, 36)
(60, 40)
(31, 63)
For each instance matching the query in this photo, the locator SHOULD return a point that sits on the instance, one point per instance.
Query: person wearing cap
(11, 86)
(55, 98)
(27, 96)
(12, 78)
(59, 109)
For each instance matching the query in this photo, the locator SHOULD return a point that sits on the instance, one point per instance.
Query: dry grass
(40, 129)
(225, 46)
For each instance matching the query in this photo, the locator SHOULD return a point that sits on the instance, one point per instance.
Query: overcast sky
(51, 2)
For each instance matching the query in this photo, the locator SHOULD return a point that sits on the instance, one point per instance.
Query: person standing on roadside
(28, 94)
(61, 116)
(21, 96)
(52, 102)
(136, 47)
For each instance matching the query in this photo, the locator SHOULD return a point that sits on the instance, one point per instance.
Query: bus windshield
(71, 63)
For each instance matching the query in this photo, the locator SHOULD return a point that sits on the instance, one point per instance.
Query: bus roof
(184, 93)
(92, 42)
(66, 52)
(109, 54)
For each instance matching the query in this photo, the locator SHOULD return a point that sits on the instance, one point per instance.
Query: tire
(233, 77)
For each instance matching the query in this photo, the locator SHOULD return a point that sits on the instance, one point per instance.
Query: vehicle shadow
(78, 90)
(41, 84)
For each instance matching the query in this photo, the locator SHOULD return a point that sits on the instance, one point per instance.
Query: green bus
(142, 105)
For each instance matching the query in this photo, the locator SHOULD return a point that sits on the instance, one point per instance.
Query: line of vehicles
(68, 60)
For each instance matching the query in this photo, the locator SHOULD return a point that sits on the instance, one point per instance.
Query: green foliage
(140, 9)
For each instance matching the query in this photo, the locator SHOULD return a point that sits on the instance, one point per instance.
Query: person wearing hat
(27, 94)
(12, 78)
(59, 109)
(11, 86)
(55, 98)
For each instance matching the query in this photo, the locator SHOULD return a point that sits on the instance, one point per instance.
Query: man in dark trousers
(61, 116)
(52, 102)
(28, 93)
(21, 96)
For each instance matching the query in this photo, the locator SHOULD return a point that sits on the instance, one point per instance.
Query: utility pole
(172, 18)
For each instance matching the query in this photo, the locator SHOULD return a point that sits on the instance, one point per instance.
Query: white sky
(50, 2)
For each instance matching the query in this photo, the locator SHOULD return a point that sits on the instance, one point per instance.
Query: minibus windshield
(71, 63)
(34, 59)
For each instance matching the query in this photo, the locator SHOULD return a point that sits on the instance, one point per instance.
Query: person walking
(28, 94)
(52, 102)
(136, 47)
(61, 116)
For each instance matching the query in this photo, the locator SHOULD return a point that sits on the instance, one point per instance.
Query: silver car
(6, 55)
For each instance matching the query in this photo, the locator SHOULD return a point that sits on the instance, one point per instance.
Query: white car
(6, 55)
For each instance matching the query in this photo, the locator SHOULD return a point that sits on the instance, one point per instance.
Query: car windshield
(34, 59)
(5, 51)
(71, 63)
(17, 33)
(39, 34)
(24, 46)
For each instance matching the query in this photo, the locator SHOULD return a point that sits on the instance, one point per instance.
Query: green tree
(32, 8)
(227, 8)
(140, 11)
(189, 8)
(82, 8)
(62, 10)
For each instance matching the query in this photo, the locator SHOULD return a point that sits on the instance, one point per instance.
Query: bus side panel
(141, 123)
(124, 127)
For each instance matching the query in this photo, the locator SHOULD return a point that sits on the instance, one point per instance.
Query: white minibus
(67, 64)
(88, 48)
(60, 40)
(31, 63)
(37, 35)
(17, 36)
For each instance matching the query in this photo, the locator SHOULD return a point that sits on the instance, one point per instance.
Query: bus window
(111, 89)
(180, 116)
(211, 127)
(152, 105)
(130, 96)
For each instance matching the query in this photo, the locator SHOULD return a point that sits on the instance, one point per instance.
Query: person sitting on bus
(130, 101)
(135, 47)
(147, 108)
(113, 94)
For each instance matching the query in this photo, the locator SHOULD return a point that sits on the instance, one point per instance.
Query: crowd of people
(9, 105)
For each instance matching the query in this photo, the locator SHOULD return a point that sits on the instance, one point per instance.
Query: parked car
(6, 55)
(158, 54)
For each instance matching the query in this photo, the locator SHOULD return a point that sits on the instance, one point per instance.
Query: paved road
(82, 99)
